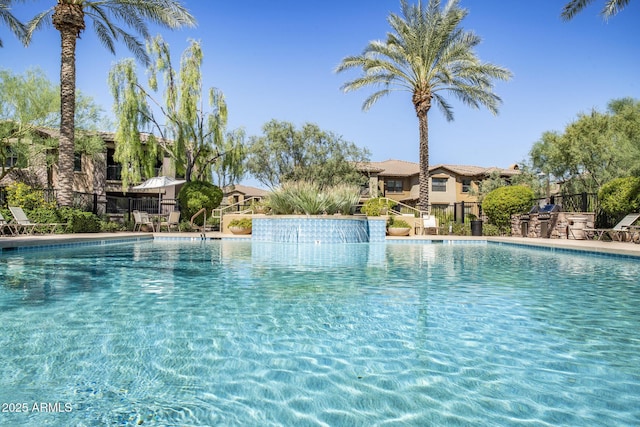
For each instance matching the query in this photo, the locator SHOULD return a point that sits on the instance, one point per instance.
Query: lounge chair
(430, 225)
(140, 219)
(618, 232)
(172, 222)
(22, 224)
(5, 227)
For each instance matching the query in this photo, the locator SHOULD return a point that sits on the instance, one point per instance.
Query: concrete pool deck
(613, 248)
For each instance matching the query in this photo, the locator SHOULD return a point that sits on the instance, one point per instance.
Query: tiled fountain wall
(318, 229)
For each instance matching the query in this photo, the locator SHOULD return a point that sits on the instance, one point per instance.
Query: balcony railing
(114, 172)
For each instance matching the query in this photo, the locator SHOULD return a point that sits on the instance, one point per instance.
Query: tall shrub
(503, 202)
(21, 195)
(620, 196)
(196, 195)
(377, 205)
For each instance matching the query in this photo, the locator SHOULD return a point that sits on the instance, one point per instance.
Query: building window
(77, 162)
(439, 184)
(466, 185)
(393, 186)
(12, 159)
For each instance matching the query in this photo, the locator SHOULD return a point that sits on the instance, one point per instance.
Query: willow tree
(29, 112)
(178, 126)
(232, 166)
(429, 55)
(28, 102)
(6, 17)
(611, 8)
(68, 17)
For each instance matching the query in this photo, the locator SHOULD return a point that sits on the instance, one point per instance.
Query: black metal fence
(126, 205)
(92, 202)
(457, 212)
(583, 202)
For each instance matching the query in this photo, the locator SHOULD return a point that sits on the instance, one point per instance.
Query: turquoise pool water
(238, 334)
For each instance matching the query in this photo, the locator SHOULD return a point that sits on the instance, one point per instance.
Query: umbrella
(159, 182)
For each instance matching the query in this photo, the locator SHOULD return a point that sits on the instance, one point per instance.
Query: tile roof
(396, 168)
(393, 167)
(246, 190)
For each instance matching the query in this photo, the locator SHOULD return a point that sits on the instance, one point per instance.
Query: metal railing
(582, 202)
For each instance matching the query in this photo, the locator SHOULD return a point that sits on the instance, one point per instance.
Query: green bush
(111, 226)
(185, 227)
(491, 230)
(77, 221)
(45, 215)
(397, 223)
(196, 195)
(620, 196)
(80, 221)
(241, 222)
(342, 198)
(21, 195)
(503, 202)
(376, 206)
(459, 229)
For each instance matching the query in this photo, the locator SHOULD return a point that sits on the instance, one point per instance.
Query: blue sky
(275, 60)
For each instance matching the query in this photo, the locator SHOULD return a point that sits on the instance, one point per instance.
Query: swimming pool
(235, 333)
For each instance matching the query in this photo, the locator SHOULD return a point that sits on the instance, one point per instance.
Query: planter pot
(476, 227)
(240, 230)
(395, 231)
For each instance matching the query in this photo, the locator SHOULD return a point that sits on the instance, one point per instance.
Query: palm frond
(167, 13)
(373, 98)
(133, 20)
(572, 8)
(135, 46)
(105, 35)
(612, 7)
(15, 26)
(41, 20)
(443, 106)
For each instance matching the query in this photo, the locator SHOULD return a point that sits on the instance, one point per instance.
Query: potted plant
(398, 227)
(240, 226)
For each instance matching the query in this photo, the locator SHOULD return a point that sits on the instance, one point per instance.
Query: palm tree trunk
(69, 20)
(423, 180)
(67, 119)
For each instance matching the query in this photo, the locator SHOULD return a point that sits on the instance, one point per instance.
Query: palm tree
(611, 8)
(68, 17)
(427, 54)
(11, 21)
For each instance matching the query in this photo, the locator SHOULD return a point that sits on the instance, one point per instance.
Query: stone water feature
(318, 229)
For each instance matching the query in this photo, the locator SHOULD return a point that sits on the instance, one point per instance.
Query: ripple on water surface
(230, 333)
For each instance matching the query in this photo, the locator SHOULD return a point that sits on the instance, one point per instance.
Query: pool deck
(613, 248)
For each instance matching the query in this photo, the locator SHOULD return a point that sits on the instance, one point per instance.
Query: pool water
(232, 333)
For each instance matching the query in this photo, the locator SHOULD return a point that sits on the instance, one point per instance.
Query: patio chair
(140, 219)
(5, 227)
(618, 232)
(23, 225)
(430, 225)
(20, 222)
(172, 222)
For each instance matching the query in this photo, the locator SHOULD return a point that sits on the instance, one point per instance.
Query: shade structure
(159, 182)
